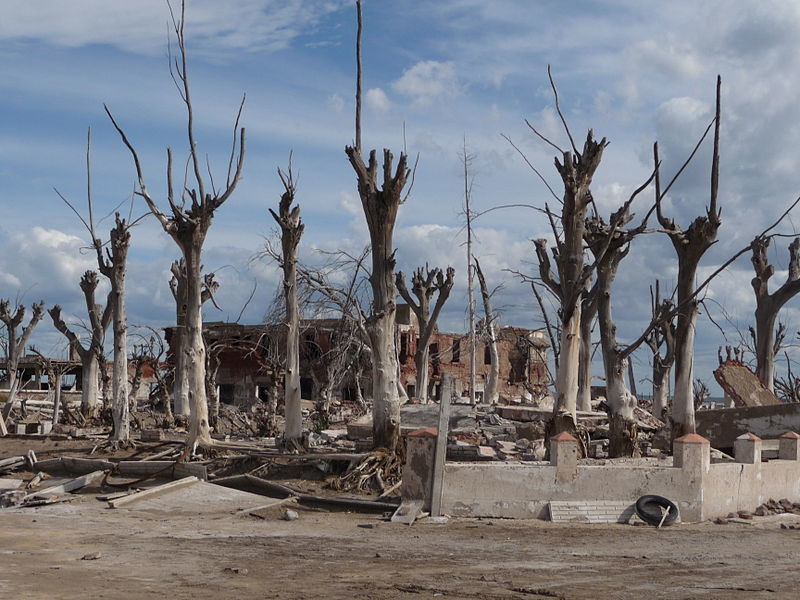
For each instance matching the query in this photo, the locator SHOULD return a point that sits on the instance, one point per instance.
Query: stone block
(747, 449)
(789, 446)
(691, 452)
(418, 468)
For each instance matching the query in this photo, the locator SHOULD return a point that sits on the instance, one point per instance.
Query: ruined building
(248, 360)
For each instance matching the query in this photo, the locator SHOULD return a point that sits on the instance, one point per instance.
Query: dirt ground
(84, 550)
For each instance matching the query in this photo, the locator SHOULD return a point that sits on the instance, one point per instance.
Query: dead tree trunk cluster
(424, 284)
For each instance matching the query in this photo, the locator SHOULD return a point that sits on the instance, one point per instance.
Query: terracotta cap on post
(691, 438)
(749, 437)
(426, 432)
(790, 435)
(563, 437)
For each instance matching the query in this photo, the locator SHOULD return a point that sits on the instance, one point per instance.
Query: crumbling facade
(250, 358)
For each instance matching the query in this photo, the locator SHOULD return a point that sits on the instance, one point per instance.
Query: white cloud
(141, 28)
(377, 100)
(429, 80)
(349, 203)
(336, 102)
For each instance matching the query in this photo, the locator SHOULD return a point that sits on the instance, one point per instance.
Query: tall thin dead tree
(489, 329)
(380, 206)
(188, 226)
(765, 337)
(662, 335)
(466, 161)
(288, 219)
(113, 265)
(92, 352)
(588, 316)
(424, 284)
(690, 245)
(15, 346)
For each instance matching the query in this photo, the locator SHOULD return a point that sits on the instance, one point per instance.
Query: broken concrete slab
(163, 468)
(70, 486)
(532, 413)
(418, 416)
(192, 496)
(742, 385)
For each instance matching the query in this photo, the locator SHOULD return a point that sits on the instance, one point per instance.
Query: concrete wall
(523, 490)
(701, 490)
(724, 425)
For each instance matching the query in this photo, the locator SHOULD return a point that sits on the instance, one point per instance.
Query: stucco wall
(523, 490)
(700, 490)
(731, 487)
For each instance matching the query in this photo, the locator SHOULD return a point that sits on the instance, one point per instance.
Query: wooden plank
(3, 428)
(10, 484)
(441, 446)
(69, 486)
(152, 492)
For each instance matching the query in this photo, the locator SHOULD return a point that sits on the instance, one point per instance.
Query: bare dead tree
(113, 265)
(288, 219)
(766, 338)
(690, 245)
(188, 226)
(469, 215)
(12, 318)
(489, 330)
(380, 206)
(178, 287)
(588, 316)
(576, 170)
(90, 353)
(700, 393)
(610, 244)
(663, 335)
(424, 284)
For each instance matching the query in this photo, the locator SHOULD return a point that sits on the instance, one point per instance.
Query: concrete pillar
(418, 468)
(747, 449)
(789, 446)
(564, 456)
(692, 453)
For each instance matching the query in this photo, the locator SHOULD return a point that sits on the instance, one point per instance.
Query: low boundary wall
(701, 490)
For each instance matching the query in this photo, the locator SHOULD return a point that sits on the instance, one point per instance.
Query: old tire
(650, 509)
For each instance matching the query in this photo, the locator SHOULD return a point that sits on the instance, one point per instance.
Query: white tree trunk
(569, 360)
(422, 365)
(660, 391)
(683, 401)
(119, 375)
(195, 352)
(180, 384)
(89, 383)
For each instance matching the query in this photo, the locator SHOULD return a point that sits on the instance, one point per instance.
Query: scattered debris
(290, 515)
(92, 556)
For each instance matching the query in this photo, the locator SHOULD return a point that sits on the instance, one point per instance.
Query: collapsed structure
(249, 358)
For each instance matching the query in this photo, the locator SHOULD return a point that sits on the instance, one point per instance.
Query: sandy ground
(135, 553)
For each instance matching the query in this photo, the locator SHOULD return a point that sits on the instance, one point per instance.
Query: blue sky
(444, 70)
